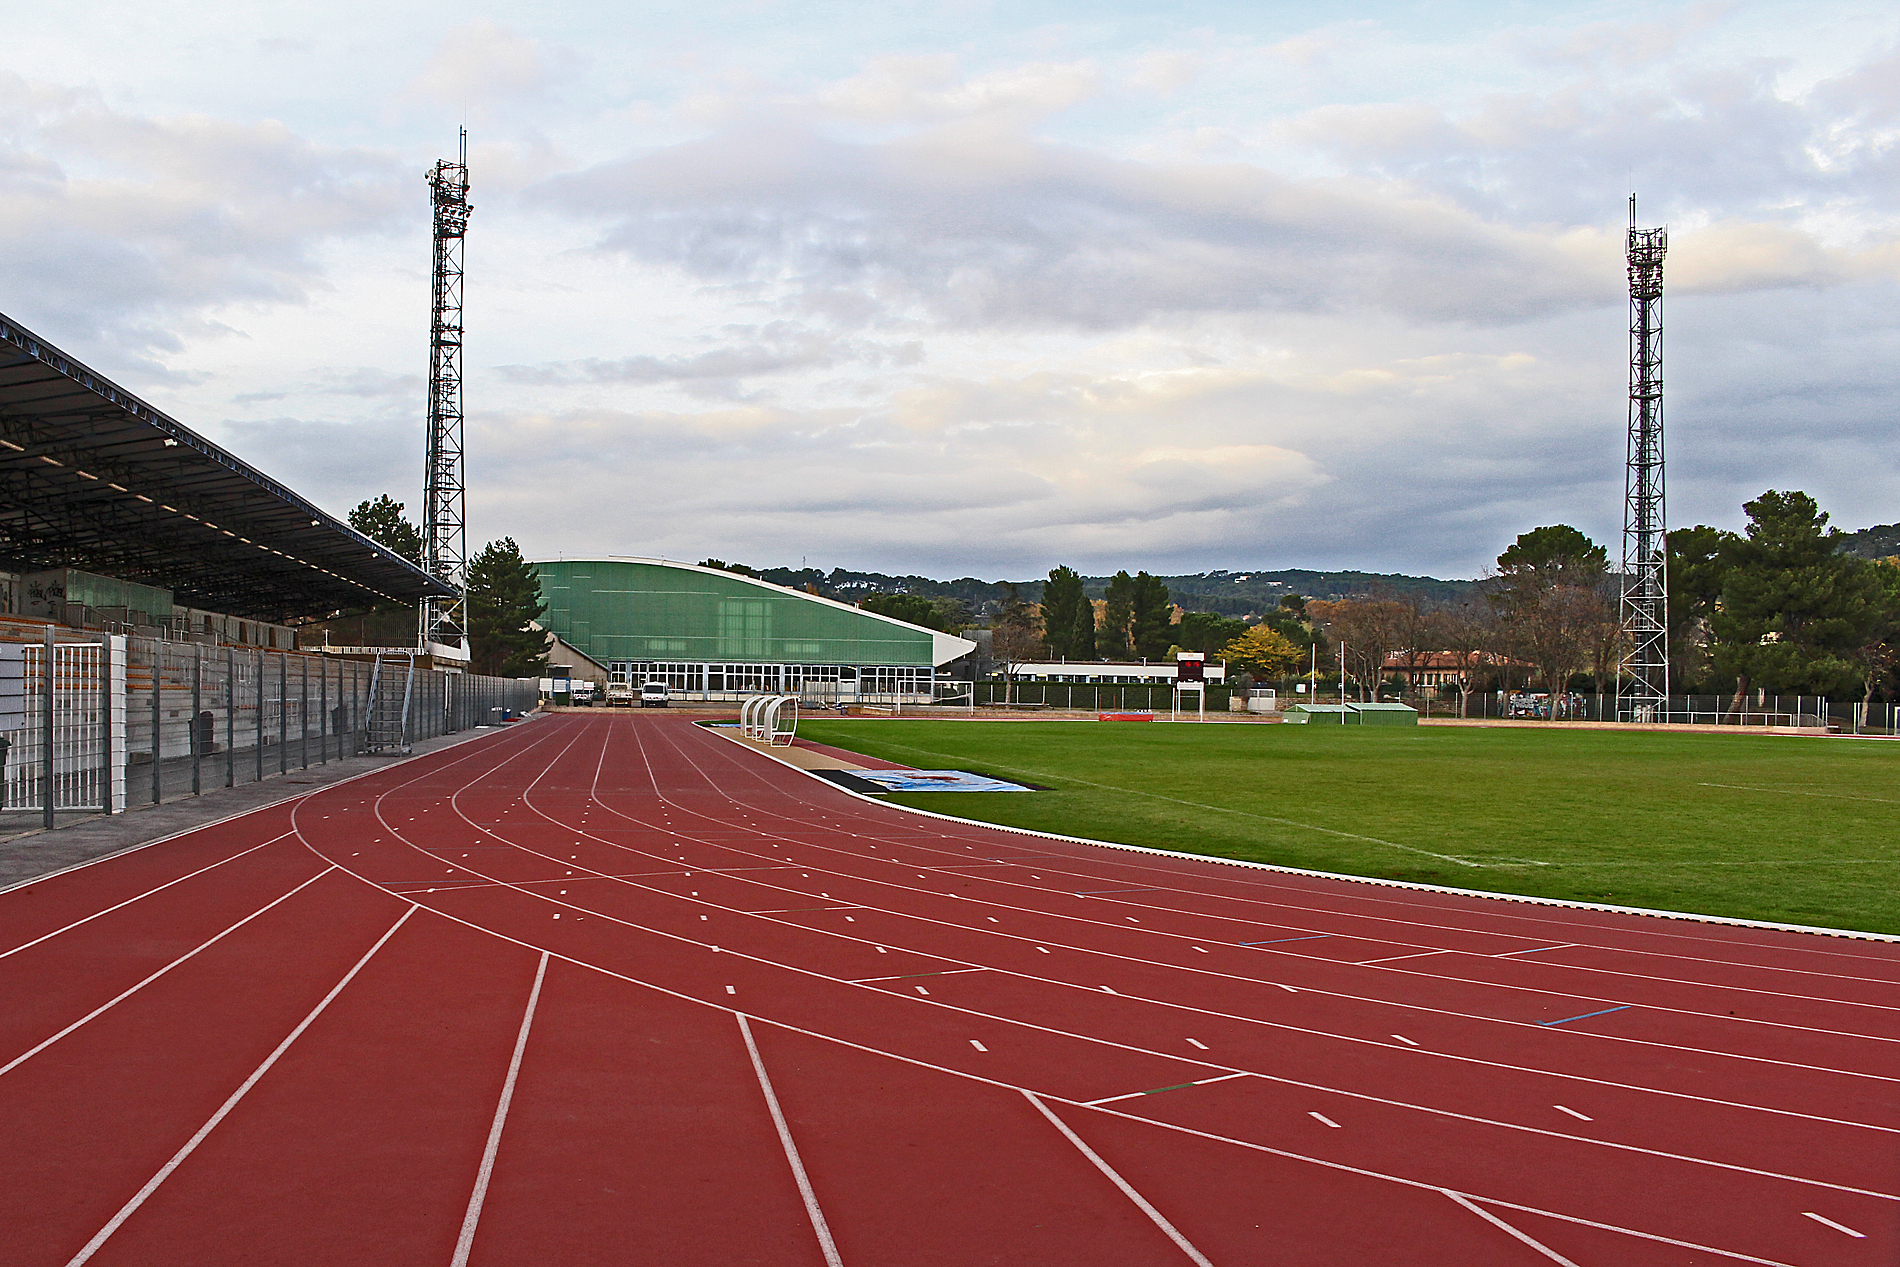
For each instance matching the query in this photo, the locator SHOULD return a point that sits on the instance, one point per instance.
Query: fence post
(283, 713)
(258, 756)
(46, 716)
(105, 723)
(197, 707)
(158, 789)
(230, 717)
(323, 708)
(303, 716)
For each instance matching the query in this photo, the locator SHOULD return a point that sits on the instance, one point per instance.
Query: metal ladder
(391, 686)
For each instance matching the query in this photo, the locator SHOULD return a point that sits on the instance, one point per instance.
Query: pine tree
(1794, 612)
(504, 595)
(382, 522)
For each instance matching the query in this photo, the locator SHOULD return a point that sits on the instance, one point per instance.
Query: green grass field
(1798, 830)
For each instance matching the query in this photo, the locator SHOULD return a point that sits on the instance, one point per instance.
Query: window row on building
(825, 680)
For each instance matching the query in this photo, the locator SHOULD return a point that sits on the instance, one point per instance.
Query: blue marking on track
(1277, 940)
(1605, 1012)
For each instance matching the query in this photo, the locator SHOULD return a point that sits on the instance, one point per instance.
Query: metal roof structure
(92, 477)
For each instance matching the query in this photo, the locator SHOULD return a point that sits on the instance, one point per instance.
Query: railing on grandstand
(143, 720)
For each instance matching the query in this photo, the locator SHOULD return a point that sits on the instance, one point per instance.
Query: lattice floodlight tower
(444, 526)
(1644, 672)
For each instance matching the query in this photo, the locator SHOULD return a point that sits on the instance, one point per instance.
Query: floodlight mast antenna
(444, 525)
(1644, 672)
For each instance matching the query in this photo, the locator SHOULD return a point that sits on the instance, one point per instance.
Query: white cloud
(481, 68)
(977, 295)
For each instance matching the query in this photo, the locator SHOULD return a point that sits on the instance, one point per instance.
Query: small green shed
(1385, 714)
(1351, 715)
(1321, 714)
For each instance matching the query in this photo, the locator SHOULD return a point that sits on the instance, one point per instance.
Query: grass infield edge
(1653, 912)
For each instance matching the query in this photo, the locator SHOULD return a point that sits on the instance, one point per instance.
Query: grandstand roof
(92, 477)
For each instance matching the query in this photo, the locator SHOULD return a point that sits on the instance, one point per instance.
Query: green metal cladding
(616, 609)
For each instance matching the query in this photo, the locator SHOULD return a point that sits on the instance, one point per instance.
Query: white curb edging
(1732, 921)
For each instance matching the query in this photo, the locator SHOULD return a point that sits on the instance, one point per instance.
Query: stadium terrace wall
(649, 610)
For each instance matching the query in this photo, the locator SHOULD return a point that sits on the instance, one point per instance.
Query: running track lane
(612, 990)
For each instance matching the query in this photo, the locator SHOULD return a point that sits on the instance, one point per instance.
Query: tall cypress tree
(1113, 639)
(504, 595)
(1153, 620)
(1068, 618)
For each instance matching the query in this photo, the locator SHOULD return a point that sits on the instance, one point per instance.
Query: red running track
(619, 990)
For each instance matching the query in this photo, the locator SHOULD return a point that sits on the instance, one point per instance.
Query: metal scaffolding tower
(444, 529)
(1643, 675)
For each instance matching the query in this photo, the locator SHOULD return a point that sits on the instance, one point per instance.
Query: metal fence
(118, 721)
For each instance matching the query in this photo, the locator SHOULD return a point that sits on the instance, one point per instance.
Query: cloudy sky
(977, 288)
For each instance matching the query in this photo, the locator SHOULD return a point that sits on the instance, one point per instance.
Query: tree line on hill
(1781, 607)
(1788, 605)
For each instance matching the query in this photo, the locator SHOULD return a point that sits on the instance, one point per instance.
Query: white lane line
(1491, 1218)
(1839, 1227)
(1357, 1095)
(1536, 950)
(1395, 958)
(1156, 1123)
(139, 1198)
(1128, 1190)
(1402, 1038)
(1322, 1117)
(1354, 1094)
(466, 1241)
(35, 1050)
(1572, 1112)
(1291, 989)
(139, 897)
(818, 1224)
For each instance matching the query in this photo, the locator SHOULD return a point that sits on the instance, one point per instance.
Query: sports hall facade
(711, 634)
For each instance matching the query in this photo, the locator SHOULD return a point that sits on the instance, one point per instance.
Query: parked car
(653, 695)
(621, 695)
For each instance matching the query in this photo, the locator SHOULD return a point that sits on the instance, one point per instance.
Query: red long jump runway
(619, 990)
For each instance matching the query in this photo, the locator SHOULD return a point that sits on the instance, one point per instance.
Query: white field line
(818, 1225)
(1086, 1038)
(35, 1050)
(1128, 1190)
(465, 1242)
(139, 1198)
